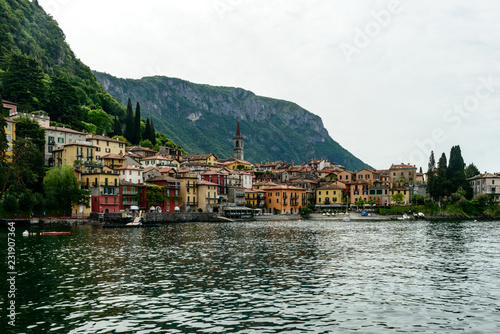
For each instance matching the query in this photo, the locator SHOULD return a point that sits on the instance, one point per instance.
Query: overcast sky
(392, 80)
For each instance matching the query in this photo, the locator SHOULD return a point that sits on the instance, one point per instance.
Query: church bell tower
(238, 144)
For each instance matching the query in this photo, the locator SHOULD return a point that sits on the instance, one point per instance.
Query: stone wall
(180, 217)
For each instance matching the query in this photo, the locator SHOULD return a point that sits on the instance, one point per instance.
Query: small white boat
(404, 217)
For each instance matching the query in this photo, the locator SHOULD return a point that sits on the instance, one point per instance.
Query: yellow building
(113, 160)
(202, 159)
(106, 145)
(74, 153)
(285, 199)
(207, 196)
(235, 164)
(332, 195)
(10, 133)
(400, 188)
(103, 184)
(188, 189)
(403, 173)
(80, 210)
(255, 198)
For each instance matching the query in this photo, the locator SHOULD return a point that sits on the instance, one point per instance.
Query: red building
(218, 178)
(166, 187)
(130, 194)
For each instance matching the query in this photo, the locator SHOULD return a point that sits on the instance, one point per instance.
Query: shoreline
(355, 217)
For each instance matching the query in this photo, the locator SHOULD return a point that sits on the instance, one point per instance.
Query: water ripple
(265, 277)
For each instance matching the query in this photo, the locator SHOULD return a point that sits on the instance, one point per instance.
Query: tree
(153, 133)
(129, 123)
(456, 173)
(28, 164)
(147, 131)
(117, 127)
(28, 128)
(64, 105)
(397, 198)
(155, 195)
(62, 189)
(442, 185)
(471, 170)
(137, 124)
(146, 143)
(431, 177)
(23, 82)
(101, 119)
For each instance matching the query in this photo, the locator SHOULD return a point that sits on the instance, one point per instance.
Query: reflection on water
(265, 277)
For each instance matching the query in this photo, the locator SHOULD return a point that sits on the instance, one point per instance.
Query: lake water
(258, 277)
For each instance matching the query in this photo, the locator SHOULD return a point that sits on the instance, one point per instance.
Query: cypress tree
(431, 177)
(442, 183)
(456, 172)
(129, 123)
(117, 127)
(153, 133)
(137, 124)
(147, 130)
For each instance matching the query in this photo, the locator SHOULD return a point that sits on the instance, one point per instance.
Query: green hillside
(203, 118)
(37, 64)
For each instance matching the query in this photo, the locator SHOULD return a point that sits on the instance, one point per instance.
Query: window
(60, 140)
(108, 150)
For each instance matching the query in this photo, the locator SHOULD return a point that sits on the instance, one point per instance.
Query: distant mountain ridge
(202, 119)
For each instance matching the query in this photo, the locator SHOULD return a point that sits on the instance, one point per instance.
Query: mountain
(36, 61)
(202, 118)
(39, 71)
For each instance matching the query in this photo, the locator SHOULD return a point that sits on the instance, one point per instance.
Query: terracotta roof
(148, 169)
(162, 178)
(127, 183)
(334, 185)
(113, 156)
(139, 148)
(80, 143)
(402, 166)
(166, 169)
(62, 129)
(198, 156)
(284, 187)
(156, 157)
(99, 137)
(206, 183)
(129, 167)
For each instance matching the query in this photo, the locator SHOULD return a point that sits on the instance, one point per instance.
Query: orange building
(285, 199)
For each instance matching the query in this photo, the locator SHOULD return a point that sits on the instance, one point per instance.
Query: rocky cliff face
(203, 119)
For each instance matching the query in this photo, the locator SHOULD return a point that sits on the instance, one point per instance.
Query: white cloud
(391, 94)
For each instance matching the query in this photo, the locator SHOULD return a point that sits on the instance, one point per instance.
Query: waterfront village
(117, 177)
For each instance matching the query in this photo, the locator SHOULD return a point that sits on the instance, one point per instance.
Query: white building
(488, 184)
(130, 174)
